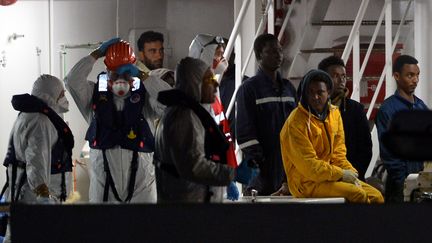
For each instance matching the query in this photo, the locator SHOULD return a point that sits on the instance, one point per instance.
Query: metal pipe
(248, 58)
(38, 52)
(64, 47)
(390, 87)
(62, 61)
(257, 33)
(285, 22)
(355, 94)
(118, 18)
(401, 24)
(234, 32)
(270, 18)
(375, 96)
(355, 28)
(80, 46)
(51, 35)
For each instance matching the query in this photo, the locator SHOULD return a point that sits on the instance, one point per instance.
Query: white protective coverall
(34, 136)
(162, 73)
(119, 159)
(201, 49)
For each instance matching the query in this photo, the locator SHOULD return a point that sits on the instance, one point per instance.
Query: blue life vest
(127, 128)
(60, 160)
(61, 153)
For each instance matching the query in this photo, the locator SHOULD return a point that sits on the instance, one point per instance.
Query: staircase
(321, 28)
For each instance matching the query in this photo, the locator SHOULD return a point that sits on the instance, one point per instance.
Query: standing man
(313, 148)
(358, 140)
(264, 102)
(39, 157)
(150, 51)
(406, 73)
(190, 152)
(210, 50)
(117, 109)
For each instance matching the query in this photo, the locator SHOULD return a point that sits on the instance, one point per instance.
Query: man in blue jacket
(406, 73)
(264, 102)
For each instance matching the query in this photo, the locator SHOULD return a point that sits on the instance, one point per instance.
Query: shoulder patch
(135, 98)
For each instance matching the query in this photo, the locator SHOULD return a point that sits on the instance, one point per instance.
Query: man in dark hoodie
(190, 154)
(313, 148)
(358, 140)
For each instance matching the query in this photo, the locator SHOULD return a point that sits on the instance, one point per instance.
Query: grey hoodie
(180, 142)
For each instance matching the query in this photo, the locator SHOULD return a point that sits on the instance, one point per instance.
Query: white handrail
(355, 28)
(355, 93)
(234, 32)
(51, 36)
(285, 22)
(257, 33)
(396, 38)
(271, 18)
(371, 44)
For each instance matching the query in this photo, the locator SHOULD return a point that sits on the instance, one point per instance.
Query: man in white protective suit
(39, 157)
(119, 108)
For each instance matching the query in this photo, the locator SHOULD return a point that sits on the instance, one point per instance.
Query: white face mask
(120, 87)
(63, 104)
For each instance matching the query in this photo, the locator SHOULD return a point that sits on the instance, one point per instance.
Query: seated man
(313, 148)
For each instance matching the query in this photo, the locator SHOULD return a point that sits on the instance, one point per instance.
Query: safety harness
(61, 153)
(127, 129)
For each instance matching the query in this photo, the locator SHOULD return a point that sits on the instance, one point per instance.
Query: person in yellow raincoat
(313, 148)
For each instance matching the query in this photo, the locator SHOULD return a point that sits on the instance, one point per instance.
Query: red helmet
(119, 54)
(7, 2)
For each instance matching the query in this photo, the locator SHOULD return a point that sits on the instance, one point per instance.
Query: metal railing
(380, 82)
(234, 32)
(353, 44)
(63, 52)
(260, 29)
(264, 18)
(371, 44)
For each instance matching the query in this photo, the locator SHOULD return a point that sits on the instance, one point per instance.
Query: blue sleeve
(246, 124)
(396, 168)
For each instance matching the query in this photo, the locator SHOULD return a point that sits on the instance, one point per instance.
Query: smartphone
(103, 82)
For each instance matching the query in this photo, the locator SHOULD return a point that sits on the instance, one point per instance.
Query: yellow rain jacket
(313, 151)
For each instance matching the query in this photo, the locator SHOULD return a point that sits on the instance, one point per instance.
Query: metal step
(351, 22)
(364, 78)
(332, 50)
(338, 49)
(376, 106)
